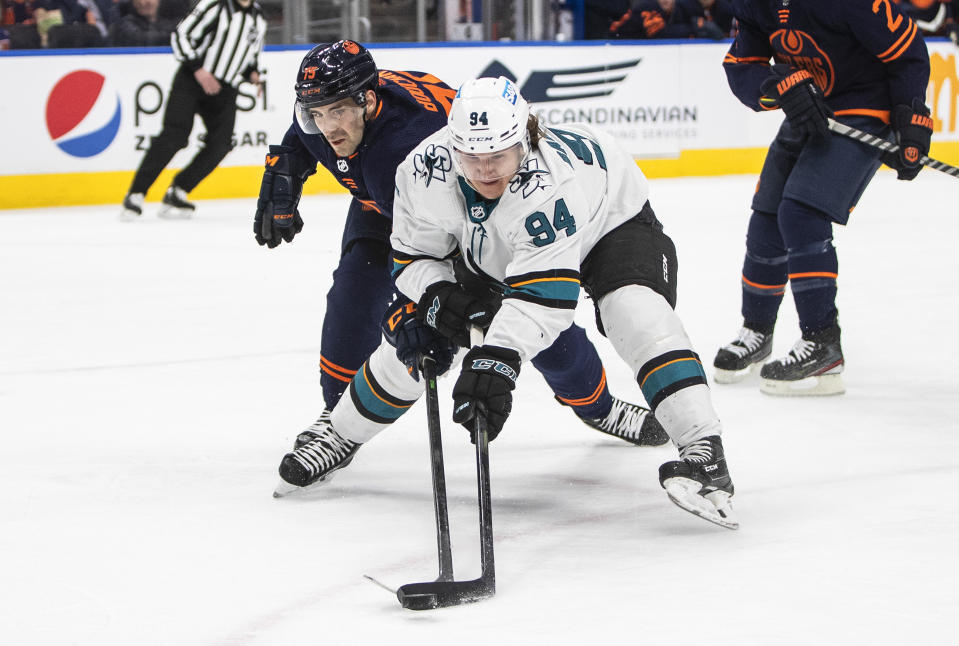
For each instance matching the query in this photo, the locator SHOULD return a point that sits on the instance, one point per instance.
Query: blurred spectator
(4, 39)
(665, 19)
(20, 24)
(719, 13)
(599, 15)
(174, 10)
(142, 27)
(66, 23)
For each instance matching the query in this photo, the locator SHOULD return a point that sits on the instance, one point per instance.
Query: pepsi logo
(83, 113)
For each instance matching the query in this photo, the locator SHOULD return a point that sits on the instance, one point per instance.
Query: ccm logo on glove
(495, 366)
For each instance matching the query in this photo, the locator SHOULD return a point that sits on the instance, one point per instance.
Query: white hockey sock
(649, 336)
(378, 395)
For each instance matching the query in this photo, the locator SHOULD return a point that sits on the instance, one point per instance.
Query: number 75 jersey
(576, 186)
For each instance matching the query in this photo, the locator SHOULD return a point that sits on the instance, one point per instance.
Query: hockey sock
(354, 309)
(380, 393)
(649, 336)
(574, 371)
(813, 265)
(764, 273)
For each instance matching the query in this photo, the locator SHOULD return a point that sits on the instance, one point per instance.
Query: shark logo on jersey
(342, 166)
(529, 178)
(434, 163)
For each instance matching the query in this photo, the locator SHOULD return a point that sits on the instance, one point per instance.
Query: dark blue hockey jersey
(412, 106)
(865, 55)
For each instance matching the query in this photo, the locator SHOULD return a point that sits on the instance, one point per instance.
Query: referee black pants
(186, 100)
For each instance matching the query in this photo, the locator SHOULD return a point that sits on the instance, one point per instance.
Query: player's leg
(826, 183)
(573, 370)
(764, 266)
(380, 392)
(631, 273)
(178, 118)
(355, 305)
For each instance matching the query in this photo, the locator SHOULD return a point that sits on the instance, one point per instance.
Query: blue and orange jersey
(865, 55)
(411, 106)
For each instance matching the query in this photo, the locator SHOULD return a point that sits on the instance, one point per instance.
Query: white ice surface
(153, 374)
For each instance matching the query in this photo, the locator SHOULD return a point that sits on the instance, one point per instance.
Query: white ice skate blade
(285, 489)
(714, 507)
(174, 213)
(818, 386)
(734, 376)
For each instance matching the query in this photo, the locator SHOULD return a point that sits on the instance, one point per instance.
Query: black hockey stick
(447, 592)
(442, 594)
(887, 146)
(444, 551)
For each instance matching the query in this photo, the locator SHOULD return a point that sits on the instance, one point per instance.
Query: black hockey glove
(485, 386)
(451, 310)
(276, 216)
(413, 339)
(800, 98)
(913, 127)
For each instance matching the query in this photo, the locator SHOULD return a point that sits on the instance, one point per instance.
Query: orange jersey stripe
(882, 115)
(329, 366)
(909, 33)
(666, 364)
(813, 274)
(584, 401)
(760, 286)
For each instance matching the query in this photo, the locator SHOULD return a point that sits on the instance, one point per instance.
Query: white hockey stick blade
(714, 507)
(816, 386)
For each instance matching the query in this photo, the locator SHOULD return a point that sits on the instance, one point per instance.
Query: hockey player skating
(537, 213)
(864, 63)
(360, 123)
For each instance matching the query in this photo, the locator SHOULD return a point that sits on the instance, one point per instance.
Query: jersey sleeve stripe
(898, 47)
(882, 115)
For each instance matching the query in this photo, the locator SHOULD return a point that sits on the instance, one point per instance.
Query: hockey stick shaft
(444, 550)
(887, 146)
(483, 485)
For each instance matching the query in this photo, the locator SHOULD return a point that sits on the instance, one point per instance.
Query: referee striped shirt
(222, 37)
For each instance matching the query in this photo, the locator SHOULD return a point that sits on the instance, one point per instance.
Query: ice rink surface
(153, 374)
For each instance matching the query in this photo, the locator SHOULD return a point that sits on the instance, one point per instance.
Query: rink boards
(80, 121)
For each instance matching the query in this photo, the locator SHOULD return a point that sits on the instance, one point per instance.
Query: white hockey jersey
(576, 186)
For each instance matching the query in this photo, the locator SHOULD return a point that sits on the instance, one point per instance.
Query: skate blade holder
(815, 386)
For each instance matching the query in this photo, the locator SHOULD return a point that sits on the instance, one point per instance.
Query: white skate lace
(624, 419)
(321, 424)
(323, 453)
(747, 341)
(800, 351)
(698, 451)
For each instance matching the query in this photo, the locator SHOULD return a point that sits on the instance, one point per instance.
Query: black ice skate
(175, 205)
(315, 462)
(736, 360)
(630, 422)
(699, 482)
(132, 207)
(314, 430)
(813, 367)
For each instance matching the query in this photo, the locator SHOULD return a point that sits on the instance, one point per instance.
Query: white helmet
(488, 115)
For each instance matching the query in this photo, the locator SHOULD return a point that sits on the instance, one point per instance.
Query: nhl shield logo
(342, 166)
(477, 213)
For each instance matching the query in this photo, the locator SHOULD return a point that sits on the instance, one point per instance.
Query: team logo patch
(351, 47)
(529, 178)
(342, 166)
(799, 49)
(83, 113)
(432, 164)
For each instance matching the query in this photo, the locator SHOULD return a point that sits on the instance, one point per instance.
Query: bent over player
(863, 63)
(360, 123)
(535, 213)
